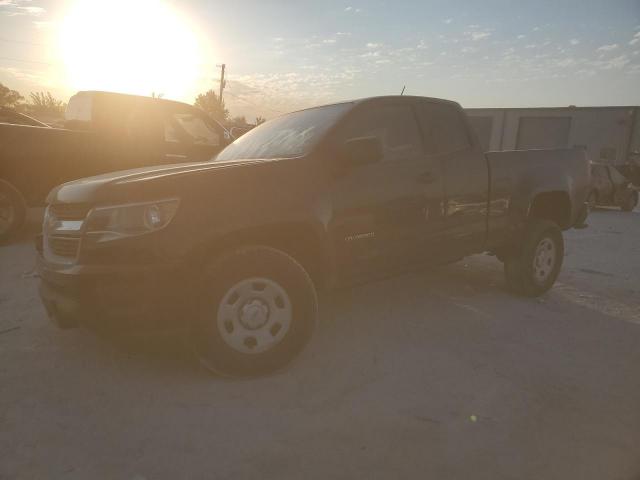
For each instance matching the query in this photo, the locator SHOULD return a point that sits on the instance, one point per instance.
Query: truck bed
(517, 176)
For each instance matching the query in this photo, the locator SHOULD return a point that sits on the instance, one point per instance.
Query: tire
(630, 202)
(533, 267)
(592, 200)
(258, 309)
(13, 211)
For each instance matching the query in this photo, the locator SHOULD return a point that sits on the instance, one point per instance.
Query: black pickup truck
(103, 132)
(234, 250)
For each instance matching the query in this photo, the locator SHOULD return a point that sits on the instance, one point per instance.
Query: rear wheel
(13, 210)
(258, 311)
(533, 267)
(630, 202)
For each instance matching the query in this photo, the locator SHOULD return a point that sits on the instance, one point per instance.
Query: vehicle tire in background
(630, 202)
(13, 210)
(258, 310)
(533, 266)
(592, 200)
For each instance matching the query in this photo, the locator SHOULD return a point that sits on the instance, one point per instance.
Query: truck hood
(138, 184)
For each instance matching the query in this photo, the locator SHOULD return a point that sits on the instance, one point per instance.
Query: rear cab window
(444, 128)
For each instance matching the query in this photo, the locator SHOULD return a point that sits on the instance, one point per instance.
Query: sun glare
(137, 47)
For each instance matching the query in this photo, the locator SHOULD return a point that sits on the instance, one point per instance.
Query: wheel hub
(544, 260)
(254, 314)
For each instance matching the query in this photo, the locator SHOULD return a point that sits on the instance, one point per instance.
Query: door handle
(426, 177)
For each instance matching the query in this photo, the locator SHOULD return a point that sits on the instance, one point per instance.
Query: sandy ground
(439, 374)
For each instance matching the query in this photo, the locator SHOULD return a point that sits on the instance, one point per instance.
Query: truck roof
(103, 94)
(384, 97)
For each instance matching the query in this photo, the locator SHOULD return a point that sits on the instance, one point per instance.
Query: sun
(137, 47)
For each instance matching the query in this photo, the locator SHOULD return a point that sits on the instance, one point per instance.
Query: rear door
(382, 219)
(465, 173)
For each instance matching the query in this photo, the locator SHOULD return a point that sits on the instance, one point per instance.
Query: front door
(384, 213)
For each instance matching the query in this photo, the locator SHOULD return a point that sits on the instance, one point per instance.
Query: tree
(44, 102)
(260, 120)
(209, 103)
(9, 98)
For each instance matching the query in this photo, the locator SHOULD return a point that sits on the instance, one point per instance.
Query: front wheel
(258, 310)
(533, 267)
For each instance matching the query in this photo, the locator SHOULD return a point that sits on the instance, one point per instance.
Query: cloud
(353, 9)
(475, 33)
(14, 8)
(329, 41)
(635, 39)
(475, 36)
(617, 62)
(574, 41)
(607, 48)
(447, 21)
(520, 37)
(373, 45)
(270, 95)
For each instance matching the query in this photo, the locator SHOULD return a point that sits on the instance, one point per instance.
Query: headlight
(121, 221)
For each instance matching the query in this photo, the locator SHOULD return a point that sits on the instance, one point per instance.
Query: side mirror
(361, 151)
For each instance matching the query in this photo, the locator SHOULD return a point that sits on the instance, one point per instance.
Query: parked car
(104, 132)
(611, 188)
(235, 250)
(9, 115)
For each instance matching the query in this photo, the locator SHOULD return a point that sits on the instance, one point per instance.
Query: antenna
(402, 92)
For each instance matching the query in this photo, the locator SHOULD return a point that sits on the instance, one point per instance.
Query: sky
(285, 55)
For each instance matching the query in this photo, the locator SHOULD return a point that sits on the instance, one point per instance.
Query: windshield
(291, 135)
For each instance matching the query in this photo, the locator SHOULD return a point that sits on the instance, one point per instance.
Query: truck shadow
(391, 301)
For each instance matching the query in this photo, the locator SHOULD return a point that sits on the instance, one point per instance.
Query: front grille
(69, 211)
(64, 246)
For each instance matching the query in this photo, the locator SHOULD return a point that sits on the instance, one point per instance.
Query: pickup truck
(103, 132)
(235, 250)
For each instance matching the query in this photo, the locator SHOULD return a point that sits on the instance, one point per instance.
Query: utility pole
(222, 82)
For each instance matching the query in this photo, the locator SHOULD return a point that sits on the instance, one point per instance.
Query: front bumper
(117, 298)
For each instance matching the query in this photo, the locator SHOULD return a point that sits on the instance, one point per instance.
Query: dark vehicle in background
(103, 132)
(234, 251)
(611, 188)
(9, 115)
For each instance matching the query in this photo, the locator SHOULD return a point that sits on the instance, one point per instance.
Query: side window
(143, 125)
(394, 125)
(191, 129)
(444, 128)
